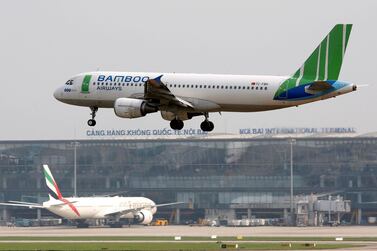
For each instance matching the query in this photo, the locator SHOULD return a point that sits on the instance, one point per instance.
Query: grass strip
(162, 246)
(169, 238)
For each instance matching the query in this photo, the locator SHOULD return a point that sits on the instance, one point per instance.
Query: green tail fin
(325, 61)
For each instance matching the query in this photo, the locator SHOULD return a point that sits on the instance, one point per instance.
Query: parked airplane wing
(135, 210)
(29, 205)
(126, 211)
(62, 203)
(169, 204)
(156, 89)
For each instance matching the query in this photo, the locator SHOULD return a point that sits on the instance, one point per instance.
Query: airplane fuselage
(98, 207)
(206, 92)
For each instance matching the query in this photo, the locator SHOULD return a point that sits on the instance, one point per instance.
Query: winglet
(155, 82)
(158, 79)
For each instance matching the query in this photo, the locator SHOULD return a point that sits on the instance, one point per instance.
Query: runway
(195, 231)
(341, 231)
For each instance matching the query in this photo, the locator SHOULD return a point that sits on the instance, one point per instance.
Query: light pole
(292, 141)
(75, 145)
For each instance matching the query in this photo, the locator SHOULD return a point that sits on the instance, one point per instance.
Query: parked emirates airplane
(79, 209)
(180, 97)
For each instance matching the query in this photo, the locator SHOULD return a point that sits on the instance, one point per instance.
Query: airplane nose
(58, 93)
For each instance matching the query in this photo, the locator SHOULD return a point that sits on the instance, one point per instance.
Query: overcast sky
(44, 43)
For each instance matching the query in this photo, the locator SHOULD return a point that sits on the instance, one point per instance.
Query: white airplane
(79, 209)
(180, 97)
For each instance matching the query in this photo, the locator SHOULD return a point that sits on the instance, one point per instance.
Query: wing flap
(156, 89)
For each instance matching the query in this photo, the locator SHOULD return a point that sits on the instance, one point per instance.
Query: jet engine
(132, 108)
(143, 217)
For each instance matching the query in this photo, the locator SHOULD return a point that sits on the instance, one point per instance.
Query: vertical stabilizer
(325, 61)
(51, 184)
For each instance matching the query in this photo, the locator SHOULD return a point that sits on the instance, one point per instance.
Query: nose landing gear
(92, 122)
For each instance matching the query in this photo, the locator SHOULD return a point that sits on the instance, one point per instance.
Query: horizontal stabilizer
(23, 202)
(22, 205)
(319, 86)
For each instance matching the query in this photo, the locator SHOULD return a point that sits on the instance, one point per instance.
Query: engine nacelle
(132, 108)
(144, 217)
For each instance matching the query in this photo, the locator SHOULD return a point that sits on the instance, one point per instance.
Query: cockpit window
(69, 82)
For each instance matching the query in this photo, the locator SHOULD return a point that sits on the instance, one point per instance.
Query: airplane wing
(156, 89)
(169, 204)
(62, 203)
(135, 210)
(126, 211)
(29, 205)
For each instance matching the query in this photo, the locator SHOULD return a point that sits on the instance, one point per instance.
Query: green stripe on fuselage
(85, 84)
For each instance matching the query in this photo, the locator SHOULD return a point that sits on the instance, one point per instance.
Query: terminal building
(219, 179)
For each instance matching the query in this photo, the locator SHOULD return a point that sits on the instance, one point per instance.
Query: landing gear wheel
(176, 124)
(207, 126)
(91, 122)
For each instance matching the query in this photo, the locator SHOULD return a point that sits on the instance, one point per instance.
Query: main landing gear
(176, 124)
(92, 122)
(207, 125)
